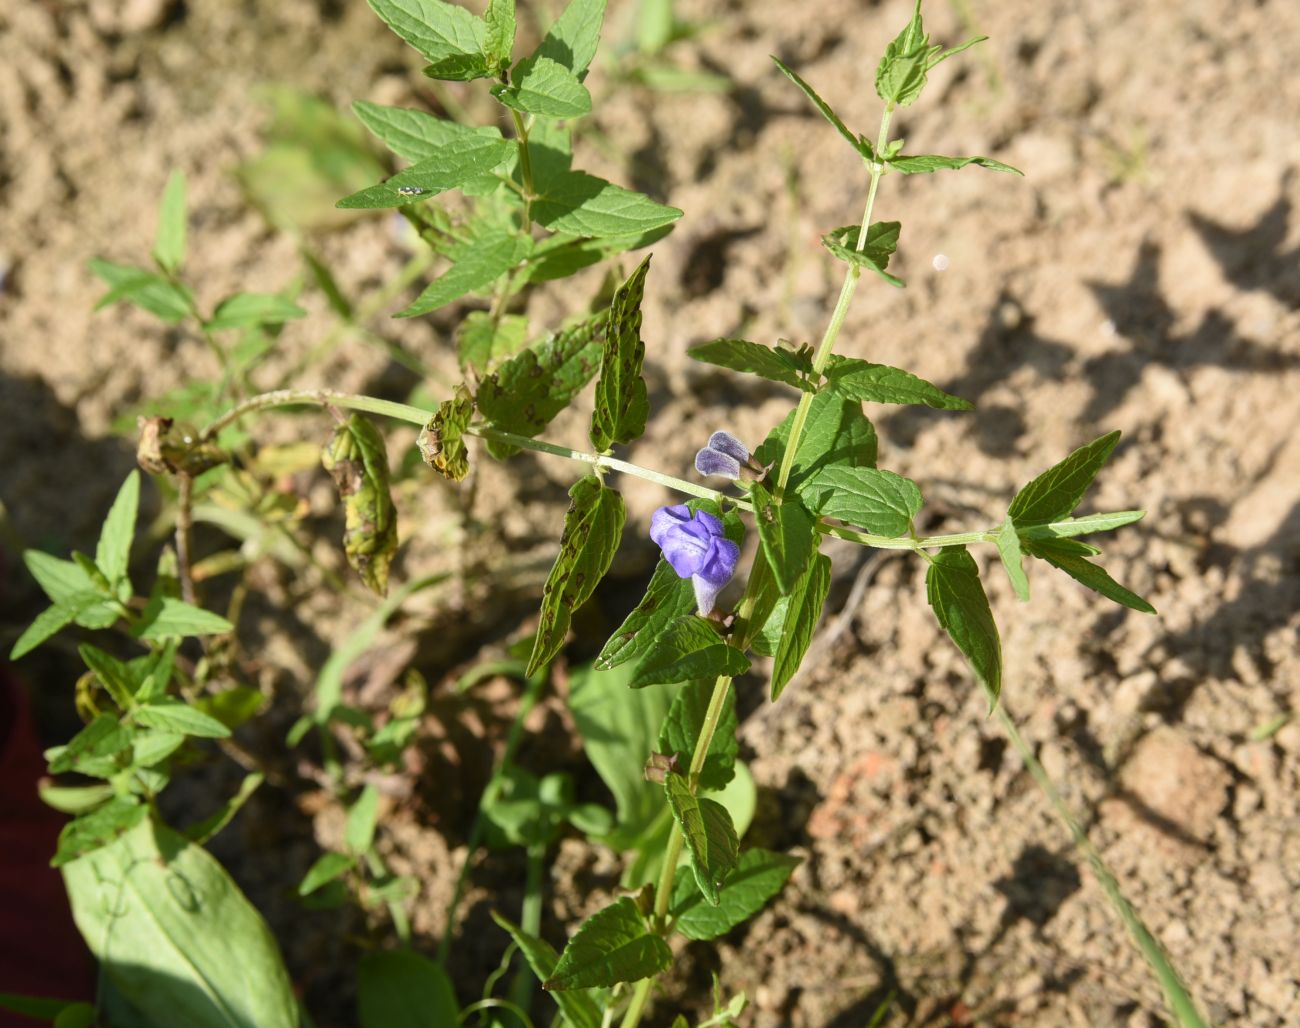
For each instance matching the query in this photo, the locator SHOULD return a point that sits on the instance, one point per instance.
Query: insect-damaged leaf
(358, 462)
(611, 946)
(621, 404)
(921, 163)
(442, 442)
(952, 585)
(592, 529)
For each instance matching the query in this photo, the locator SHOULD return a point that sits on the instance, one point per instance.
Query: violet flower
(725, 456)
(696, 547)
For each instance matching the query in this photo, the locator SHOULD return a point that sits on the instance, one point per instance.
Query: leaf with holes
(621, 403)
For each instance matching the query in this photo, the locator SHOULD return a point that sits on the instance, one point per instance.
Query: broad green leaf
(94, 830)
(170, 301)
(483, 341)
(803, 611)
(774, 364)
(880, 244)
(1008, 543)
(573, 39)
(611, 946)
(113, 552)
(689, 648)
(1058, 490)
(326, 868)
(901, 74)
(1085, 572)
(51, 620)
(415, 135)
(579, 1008)
(858, 142)
(667, 597)
(952, 585)
(357, 459)
(1068, 527)
(441, 442)
(149, 749)
(169, 239)
(788, 533)
(921, 163)
(593, 528)
(75, 799)
(362, 816)
(173, 715)
(113, 675)
(527, 391)
(546, 88)
(244, 310)
(681, 731)
(835, 432)
(758, 877)
(176, 937)
(709, 834)
(621, 404)
(880, 502)
(94, 749)
(499, 44)
(166, 616)
(485, 255)
(59, 579)
(402, 989)
(584, 205)
(439, 31)
(460, 161)
(879, 383)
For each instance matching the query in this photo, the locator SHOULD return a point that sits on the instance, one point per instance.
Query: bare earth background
(1143, 276)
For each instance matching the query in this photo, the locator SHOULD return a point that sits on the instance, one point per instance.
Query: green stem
(315, 398)
(525, 169)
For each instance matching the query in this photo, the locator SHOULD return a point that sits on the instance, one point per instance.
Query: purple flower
(697, 548)
(725, 456)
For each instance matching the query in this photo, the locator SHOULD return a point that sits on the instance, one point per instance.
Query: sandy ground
(1143, 276)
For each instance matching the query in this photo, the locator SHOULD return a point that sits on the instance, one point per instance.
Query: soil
(1144, 276)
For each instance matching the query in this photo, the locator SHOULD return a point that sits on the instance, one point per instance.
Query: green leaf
(709, 834)
(681, 731)
(573, 39)
(201, 831)
(441, 442)
(667, 597)
(1058, 490)
(173, 715)
(482, 341)
(952, 585)
(499, 44)
(92, 831)
(879, 501)
(439, 31)
(689, 648)
(51, 620)
(803, 611)
(879, 383)
(167, 300)
(579, 1008)
(546, 88)
(169, 240)
(416, 135)
(788, 533)
(148, 749)
(59, 579)
(758, 877)
(460, 161)
(835, 432)
(593, 528)
(94, 749)
(113, 552)
(75, 799)
(362, 816)
(530, 389)
(880, 244)
(1085, 572)
(485, 255)
(357, 459)
(41, 1008)
(115, 676)
(901, 74)
(1068, 527)
(921, 163)
(621, 404)
(1008, 543)
(858, 142)
(775, 365)
(327, 868)
(401, 989)
(584, 205)
(165, 616)
(611, 946)
(244, 310)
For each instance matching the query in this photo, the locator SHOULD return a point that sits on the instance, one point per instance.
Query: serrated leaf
(788, 533)
(759, 875)
(169, 239)
(621, 404)
(876, 249)
(573, 39)
(879, 383)
(1085, 572)
(775, 365)
(460, 161)
(359, 832)
(172, 715)
(402, 989)
(482, 341)
(59, 579)
(593, 528)
(245, 310)
(357, 459)
(710, 836)
(51, 620)
(1008, 543)
(327, 868)
(901, 74)
(578, 1008)
(611, 946)
(441, 442)
(835, 432)
(681, 731)
(530, 389)
(915, 164)
(166, 616)
(1058, 490)
(861, 145)
(499, 18)
(170, 301)
(113, 552)
(546, 88)
(880, 502)
(438, 31)
(1067, 527)
(799, 621)
(113, 675)
(584, 205)
(485, 255)
(953, 588)
(688, 649)
(415, 135)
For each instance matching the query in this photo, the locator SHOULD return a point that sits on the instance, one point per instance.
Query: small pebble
(940, 262)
